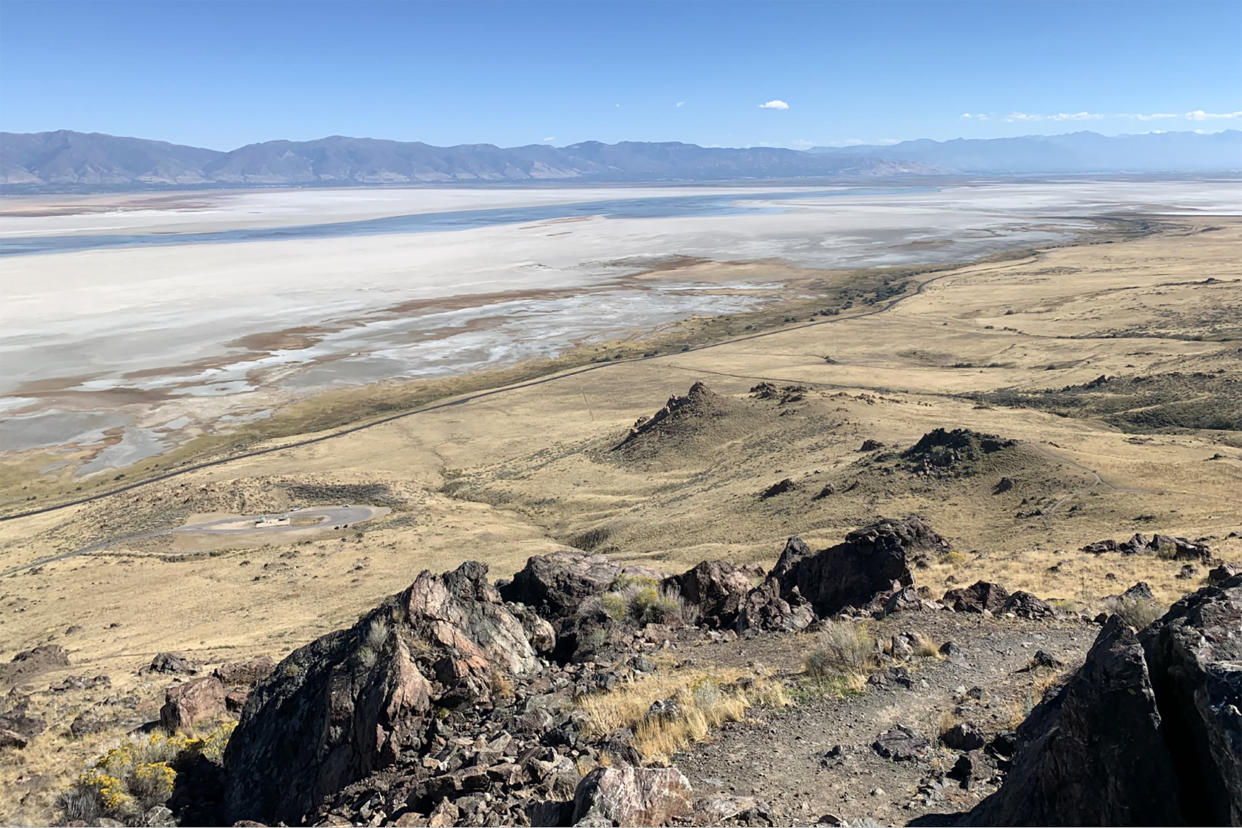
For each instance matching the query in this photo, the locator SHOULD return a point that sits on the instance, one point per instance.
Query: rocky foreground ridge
(459, 701)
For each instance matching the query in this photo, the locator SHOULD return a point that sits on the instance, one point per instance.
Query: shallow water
(647, 207)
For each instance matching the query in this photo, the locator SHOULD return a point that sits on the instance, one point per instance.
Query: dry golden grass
(703, 702)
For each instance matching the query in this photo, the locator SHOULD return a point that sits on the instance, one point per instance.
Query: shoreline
(347, 411)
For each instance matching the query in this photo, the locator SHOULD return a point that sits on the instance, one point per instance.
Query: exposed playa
(112, 355)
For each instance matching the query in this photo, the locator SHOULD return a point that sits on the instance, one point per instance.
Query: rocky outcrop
(677, 425)
(941, 453)
(1166, 546)
(714, 591)
(1194, 654)
(169, 664)
(1146, 732)
(197, 701)
(763, 608)
(245, 673)
(30, 663)
(357, 699)
(556, 585)
(979, 596)
(631, 796)
(871, 561)
(18, 727)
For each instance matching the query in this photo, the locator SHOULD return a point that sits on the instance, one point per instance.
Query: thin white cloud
(679, 104)
(1200, 115)
(1022, 117)
(549, 139)
(774, 104)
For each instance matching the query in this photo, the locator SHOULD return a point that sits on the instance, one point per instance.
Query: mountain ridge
(69, 160)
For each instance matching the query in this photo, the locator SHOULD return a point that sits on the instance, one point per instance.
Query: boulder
(1218, 575)
(870, 561)
(245, 673)
(765, 609)
(1146, 732)
(556, 585)
(714, 590)
(199, 700)
(170, 664)
(980, 596)
(18, 727)
(901, 744)
(963, 736)
(631, 796)
(353, 701)
(1026, 605)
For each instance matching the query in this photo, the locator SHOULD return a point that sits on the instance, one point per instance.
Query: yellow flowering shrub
(134, 777)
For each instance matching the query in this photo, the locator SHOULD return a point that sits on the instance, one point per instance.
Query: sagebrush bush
(128, 781)
(845, 649)
(1138, 611)
(643, 601)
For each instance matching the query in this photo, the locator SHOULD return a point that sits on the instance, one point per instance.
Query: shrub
(643, 601)
(845, 649)
(1138, 611)
(129, 780)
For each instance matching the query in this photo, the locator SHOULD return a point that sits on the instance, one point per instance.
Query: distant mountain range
(66, 160)
(1078, 152)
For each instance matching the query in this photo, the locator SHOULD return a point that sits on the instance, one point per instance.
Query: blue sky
(221, 73)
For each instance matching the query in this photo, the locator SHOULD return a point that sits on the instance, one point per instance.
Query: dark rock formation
(357, 699)
(18, 727)
(979, 596)
(942, 453)
(714, 590)
(556, 585)
(778, 488)
(1165, 546)
(1218, 575)
(1146, 732)
(29, 663)
(963, 736)
(678, 423)
(764, 608)
(901, 744)
(1026, 605)
(171, 664)
(872, 560)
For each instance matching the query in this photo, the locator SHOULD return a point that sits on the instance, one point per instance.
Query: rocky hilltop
(571, 695)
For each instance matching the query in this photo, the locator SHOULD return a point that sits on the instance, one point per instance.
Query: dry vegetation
(689, 705)
(1011, 348)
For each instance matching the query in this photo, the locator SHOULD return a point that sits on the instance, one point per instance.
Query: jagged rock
(1222, 573)
(900, 744)
(963, 736)
(1042, 661)
(1187, 573)
(556, 585)
(940, 452)
(980, 596)
(1092, 753)
(765, 609)
(631, 796)
(584, 635)
(1164, 545)
(870, 445)
(681, 419)
(778, 488)
(18, 727)
(870, 561)
(197, 700)
(245, 673)
(354, 700)
(906, 599)
(1194, 654)
(32, 662)
(1026, 605)
(170, 663)
(715, 591)
(1003, 485)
